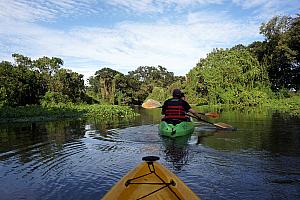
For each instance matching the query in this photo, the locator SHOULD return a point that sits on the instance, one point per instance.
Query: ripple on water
(46, 159)
(140, 134)
(31, 149)
(87, 167)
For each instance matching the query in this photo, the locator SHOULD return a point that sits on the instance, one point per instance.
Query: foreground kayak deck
(181, 129)
(150, 180)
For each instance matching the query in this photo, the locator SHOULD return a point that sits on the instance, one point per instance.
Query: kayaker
(176, 108)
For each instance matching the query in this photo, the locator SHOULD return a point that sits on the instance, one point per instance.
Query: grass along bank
(64, 111)
(289, 105)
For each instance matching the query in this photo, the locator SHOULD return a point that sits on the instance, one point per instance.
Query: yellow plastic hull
(150, 181)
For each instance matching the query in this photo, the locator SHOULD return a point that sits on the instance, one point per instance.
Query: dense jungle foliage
(251, 75)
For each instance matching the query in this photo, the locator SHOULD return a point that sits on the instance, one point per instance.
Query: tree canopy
(279, 53)
(241, 75)
(225, 76)
(133, 88)
(26, 81)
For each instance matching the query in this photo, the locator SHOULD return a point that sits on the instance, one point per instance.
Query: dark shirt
(185, 104)
(176, 102)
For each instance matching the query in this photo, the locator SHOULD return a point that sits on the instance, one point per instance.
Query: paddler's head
(177, 93)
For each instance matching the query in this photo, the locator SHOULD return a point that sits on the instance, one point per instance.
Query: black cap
(177, 93)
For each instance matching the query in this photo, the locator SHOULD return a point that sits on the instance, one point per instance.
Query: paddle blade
(150, 103)
(213, 115)
(223, 125)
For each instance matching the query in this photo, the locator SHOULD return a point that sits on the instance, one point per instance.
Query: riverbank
(290, 106)
(64, 111)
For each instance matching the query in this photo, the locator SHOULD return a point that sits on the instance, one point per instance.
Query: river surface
(82, 159)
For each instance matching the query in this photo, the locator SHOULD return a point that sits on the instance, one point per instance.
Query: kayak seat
(176, 121)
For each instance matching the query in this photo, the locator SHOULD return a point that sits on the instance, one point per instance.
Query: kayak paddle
(220, 125)
(150, 104)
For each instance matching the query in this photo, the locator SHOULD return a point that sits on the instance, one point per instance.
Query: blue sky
(126, 34)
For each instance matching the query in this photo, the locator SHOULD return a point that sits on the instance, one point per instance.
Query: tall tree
(102, 83)
(69, 83)
(19, 82)
(26, 81)
(225, 76)
(281, 51)
(8, 87)
(293, 40)
(153, 76)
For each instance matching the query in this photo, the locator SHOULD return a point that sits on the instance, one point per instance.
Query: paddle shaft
(200, 119)
(218, 125)
(150, 103)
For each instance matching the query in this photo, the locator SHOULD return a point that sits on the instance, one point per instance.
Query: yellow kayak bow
(150, 180)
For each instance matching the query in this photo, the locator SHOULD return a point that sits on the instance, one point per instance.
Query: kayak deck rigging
(152, 171)
(150, 180)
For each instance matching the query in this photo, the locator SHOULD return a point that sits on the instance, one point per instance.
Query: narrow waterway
(82, 159)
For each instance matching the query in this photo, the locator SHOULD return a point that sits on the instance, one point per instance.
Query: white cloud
(45, 10)
(265, 9)
(151, 6)
(176, 45)
(39, 10)
(247, 4)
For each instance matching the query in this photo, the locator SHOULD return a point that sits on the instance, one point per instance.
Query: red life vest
(174, 110)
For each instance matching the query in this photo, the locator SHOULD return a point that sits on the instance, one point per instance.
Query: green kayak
(181, 129)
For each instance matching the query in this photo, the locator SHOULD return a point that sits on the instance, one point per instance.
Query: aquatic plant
(63, 111)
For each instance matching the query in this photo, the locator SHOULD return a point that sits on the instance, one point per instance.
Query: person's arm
(188, 108)
(194, 112)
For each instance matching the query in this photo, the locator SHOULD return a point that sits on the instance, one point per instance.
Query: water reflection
(271, 134)
(78, 159)
(27, 139)
(176, 151)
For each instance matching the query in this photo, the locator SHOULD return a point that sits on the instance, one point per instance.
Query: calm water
(83, 159)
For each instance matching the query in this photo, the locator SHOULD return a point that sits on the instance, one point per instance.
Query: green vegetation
(27, 81)
(289, 105)
(116, 88)
(228, 77)
(63, 111)
(262, 74)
